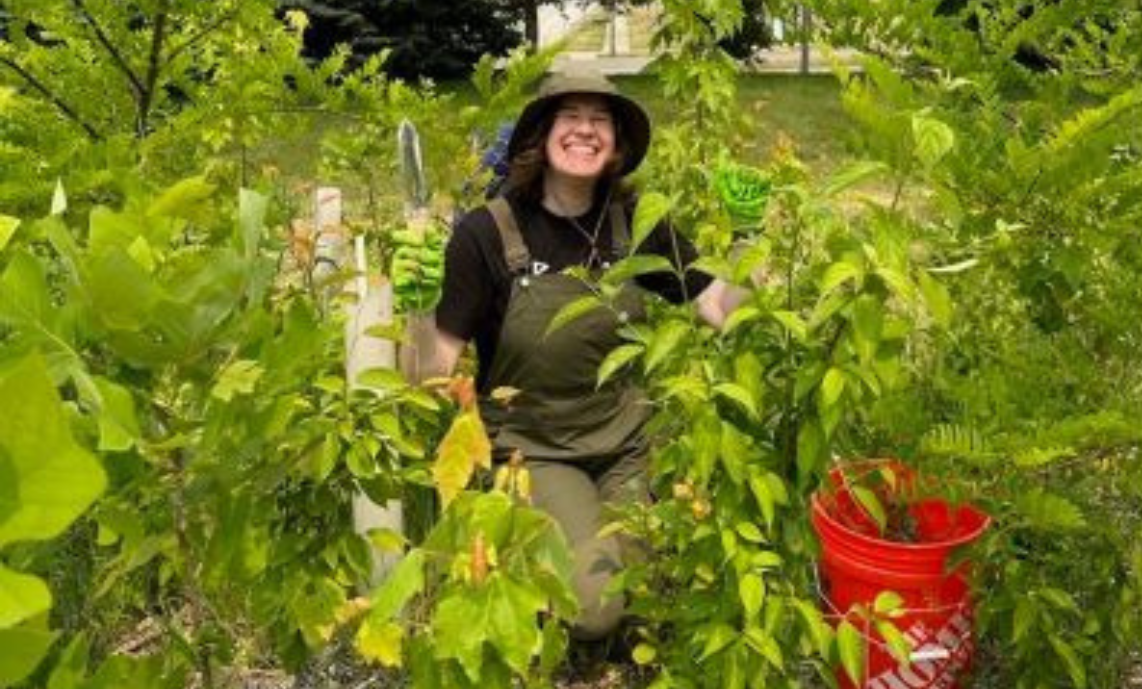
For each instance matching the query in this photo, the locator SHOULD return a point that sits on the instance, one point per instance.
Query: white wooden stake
(372, 306)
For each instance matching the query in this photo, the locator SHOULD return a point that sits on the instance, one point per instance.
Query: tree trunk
(531, 23)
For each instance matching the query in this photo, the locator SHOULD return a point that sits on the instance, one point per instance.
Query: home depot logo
(937, 659)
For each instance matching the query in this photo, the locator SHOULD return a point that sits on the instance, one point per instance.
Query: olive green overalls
(584, 446)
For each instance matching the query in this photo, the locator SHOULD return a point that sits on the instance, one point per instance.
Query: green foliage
(49, 481)
(216, 400)
(1027, 121)
(482, 600)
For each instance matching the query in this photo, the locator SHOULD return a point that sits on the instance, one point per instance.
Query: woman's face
(582, 138)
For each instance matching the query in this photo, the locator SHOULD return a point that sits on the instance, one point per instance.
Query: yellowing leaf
(644, 654)
(465, 446)
(380, 643)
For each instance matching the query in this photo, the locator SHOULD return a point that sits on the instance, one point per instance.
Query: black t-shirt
(477, 282)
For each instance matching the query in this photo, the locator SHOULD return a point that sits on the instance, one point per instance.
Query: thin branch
(109, 46)
(201, 34)
(146, 98)
(58, 102)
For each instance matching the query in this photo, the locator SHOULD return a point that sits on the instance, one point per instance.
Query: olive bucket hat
(632, 120)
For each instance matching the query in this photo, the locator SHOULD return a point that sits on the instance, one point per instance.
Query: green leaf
(651, 209)
(382, 380)
(251, 221)
(635, 266)
(70, 670)
(239, 378)
(59, 199)
(1070, 659)
(751, 590)
(1024, 618)
(937, 298)
(819, 631)
(717, 638)
(1041, 456)
(185, 199)
(867, 318)
(663, 342)
(811, 449)
(750, 532)
(767, 646)
(121, 291)
(8, 226)
(56, 479)
(24, 297)
(838, 274)
(1049, 512)
(933, 139)
(21, 650)
(851, 647)
(118, 425)
(953, 268)
(572, 311)
(109, 229)
(888, 603)
(898, 646)
(769, 491)
(513, 609)
(22, 597)
(871, 506)
(402, 583)
(739, 396)
(380, 642)
(898, 283)
(460, 627)
(619, 357)
(793, 323)
(832, 386)
(740, 316)
(1060, 599)
(853, 175)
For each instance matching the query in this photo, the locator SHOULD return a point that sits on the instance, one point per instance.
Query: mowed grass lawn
(804, 108)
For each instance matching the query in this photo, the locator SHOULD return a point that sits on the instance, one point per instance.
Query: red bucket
(857, 564)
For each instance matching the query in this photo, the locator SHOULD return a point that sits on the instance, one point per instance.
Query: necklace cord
(593, 236)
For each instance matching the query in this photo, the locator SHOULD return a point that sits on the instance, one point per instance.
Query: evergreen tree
(441, 39)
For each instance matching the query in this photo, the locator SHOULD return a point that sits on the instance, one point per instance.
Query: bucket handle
(937, 654)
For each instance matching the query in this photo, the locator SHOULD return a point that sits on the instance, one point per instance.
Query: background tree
(435, 38)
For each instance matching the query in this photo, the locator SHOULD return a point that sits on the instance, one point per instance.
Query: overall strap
(620, 238)
(515, 251)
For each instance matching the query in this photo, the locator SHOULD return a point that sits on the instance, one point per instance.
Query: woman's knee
(596, 562)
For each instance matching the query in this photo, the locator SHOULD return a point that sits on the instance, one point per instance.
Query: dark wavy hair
(525, 173)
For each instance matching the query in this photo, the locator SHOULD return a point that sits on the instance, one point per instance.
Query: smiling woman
(566, 205)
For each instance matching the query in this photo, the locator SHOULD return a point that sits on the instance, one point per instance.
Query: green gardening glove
(743, 190)
(417, 269)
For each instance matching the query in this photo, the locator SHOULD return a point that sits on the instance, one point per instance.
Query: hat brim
(633, 124)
